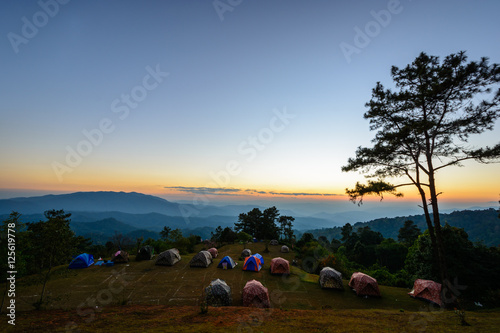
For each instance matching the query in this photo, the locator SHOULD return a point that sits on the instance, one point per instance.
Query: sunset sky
(231, 100)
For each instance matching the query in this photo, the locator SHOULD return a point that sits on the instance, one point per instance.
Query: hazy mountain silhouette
(139, 210)
(134, 203)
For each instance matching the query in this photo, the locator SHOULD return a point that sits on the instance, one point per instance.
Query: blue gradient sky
(229, 83)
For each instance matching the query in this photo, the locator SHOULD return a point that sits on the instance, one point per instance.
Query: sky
(218, 101)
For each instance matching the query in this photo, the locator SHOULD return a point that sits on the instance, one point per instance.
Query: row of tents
(218, 293)
(85, 260)
(253, 263)
(171, 257)
(365, 285)
(362, 284)
(201, 259)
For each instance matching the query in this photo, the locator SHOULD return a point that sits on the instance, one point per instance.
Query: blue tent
(84, 260)
(229, 262)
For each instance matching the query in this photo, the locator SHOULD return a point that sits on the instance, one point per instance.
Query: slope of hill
(103, 227)
(103, 230)
(481, 225)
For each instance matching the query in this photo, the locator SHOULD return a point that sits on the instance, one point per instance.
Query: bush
(337, 262)
(382, 275)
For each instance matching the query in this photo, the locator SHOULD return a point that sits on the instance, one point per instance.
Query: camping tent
(213, 251)
(273, 242)
(145, 253)
(255, 294)
(285, 249)
(253, 263)
(201, 259)
(260, 258)
(246, 253)
(364, 285)
(168, 258)
(218, 293)
(119, 257)
(330, 278)
(228, 261)
(83, 260)
(427, 290)
(280, 266)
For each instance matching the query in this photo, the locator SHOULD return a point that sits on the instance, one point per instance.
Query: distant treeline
(481, 225)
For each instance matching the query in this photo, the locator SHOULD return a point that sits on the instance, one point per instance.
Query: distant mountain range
(100, 214)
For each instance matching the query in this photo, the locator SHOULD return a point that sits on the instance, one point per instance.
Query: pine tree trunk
(437, 224)
(430, 227)
(439, 236)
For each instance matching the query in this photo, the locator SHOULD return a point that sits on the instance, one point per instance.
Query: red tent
(427, 290)
(280, 266)
(364, 285)
(255, 294)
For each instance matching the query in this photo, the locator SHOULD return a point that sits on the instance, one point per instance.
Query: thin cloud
(205, 190)
(237, 191)
(297, 194)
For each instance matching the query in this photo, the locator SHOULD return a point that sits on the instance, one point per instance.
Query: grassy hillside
(144, 283)
(130, 296)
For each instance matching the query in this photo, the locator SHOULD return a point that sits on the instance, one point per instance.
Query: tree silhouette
(52, 243)
(286, 224)
(264, 225)
(423, 127)
(408, 233)
(164, 234)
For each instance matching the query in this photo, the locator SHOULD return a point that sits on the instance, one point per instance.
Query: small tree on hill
(165, 233)
(262, 225)
(346, 231)
(286, 231)
(216, 235)
(249, 222)
(52, 242)
(424, 127)
(408, 233)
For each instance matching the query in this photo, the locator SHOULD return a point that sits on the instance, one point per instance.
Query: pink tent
(255, 294)
(120, 257)
(364, 285)
(213, 251)
(280, 266)
(427, 290)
